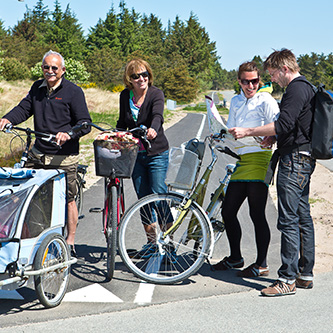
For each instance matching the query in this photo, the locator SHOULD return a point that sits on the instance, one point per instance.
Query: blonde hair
(278, 59)
(133, 67)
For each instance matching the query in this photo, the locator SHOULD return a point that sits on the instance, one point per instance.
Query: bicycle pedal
(81, 217)
(218, 225)
(95, 210)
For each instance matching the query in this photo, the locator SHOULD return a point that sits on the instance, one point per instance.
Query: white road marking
(94, 293)
(10, 294)
(199, 133)
(145, 293)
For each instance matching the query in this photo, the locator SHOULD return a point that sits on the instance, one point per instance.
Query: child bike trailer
(33, 251)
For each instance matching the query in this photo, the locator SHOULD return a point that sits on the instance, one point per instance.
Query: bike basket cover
(183, 166)
(115, 154)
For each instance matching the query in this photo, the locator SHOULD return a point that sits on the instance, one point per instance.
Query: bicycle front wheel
(111, 215)
(51, 287)
(159, 259)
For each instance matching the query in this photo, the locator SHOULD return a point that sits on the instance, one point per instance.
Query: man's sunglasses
(47, 67)
(137, 76)
(247, 82)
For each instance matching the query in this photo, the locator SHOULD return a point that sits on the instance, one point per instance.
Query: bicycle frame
(199, 190)
(118, 182)
(221, 189)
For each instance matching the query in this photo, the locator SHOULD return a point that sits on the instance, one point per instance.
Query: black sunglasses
(47, 67)
(247, 82)
(137, 76)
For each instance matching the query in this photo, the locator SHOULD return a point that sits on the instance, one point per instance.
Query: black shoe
(227, 263)
(73, 252)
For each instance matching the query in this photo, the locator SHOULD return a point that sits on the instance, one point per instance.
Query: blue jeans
(294, 219)
(149, 177)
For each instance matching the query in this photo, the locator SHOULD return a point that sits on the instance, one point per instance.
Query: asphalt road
(89, 293)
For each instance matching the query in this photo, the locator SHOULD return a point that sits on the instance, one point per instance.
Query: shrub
(76, 71)
(36, 71)
(88, 85)
(14, 70)
(179, 85)
(118, 88)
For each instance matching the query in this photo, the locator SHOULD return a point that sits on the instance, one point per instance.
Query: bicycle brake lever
(144, 137)
(7, 128)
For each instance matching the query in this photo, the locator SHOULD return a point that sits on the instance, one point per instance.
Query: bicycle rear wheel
(111, 214)
(173, 258)
(51, 287)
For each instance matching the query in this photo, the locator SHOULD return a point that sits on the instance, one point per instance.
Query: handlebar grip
(8, 127)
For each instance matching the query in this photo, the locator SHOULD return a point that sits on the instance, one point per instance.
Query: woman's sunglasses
(137, 76)
(247, 82)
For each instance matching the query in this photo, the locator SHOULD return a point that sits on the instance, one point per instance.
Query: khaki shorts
(66, 163)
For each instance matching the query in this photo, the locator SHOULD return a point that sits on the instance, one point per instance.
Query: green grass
(201, 107)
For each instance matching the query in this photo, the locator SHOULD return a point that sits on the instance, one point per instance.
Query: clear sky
(241, 29)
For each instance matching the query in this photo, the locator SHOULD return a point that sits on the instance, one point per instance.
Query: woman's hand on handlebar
(151, 134)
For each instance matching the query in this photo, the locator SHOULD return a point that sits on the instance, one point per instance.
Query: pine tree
(66, 33)
(129, 27)
(105, 33)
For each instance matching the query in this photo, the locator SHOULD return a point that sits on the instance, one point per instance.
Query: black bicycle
(27, 155)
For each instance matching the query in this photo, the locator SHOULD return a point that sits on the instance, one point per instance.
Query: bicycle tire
(112, 214)
(216, 219)
(164, 266)
(79, 196)
(51, 286)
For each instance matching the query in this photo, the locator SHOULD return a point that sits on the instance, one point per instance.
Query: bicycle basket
(183, 166)
(114, 154)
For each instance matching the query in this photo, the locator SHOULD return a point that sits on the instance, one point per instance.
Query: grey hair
(54, 53)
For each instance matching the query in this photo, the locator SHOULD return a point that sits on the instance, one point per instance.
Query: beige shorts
(66, 163)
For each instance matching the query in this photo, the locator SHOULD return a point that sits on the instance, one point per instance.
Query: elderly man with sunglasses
(57, 105)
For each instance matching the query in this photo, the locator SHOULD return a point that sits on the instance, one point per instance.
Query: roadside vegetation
(102, 106)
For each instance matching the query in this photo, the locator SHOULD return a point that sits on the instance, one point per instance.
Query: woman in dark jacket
(143, 104)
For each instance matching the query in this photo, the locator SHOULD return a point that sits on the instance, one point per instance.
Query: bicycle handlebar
(222, 149)
(44, 136)
(139, 131)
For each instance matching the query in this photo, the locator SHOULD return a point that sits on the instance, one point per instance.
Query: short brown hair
(133, 67)
(284, 57)
(249, 66)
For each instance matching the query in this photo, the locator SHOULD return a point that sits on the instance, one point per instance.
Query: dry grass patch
(101, 100)
(11, 94)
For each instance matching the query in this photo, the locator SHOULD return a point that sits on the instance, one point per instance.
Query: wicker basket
(183, 166)
(115, 159)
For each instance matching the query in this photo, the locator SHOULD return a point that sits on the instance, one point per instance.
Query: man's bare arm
(241, 132)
